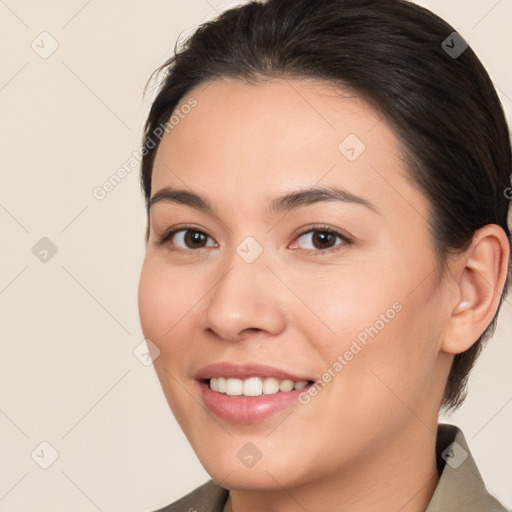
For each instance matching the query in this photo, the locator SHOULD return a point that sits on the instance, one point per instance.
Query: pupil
(195, 237)
(324, 237)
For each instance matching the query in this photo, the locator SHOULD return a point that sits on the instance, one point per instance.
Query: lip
(247, 409)
(244, 371)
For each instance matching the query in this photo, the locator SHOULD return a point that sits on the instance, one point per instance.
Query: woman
(327, 251)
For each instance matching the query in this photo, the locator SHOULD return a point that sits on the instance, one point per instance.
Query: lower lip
(248, 409)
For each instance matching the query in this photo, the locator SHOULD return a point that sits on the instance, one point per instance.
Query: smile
(254, 386)
(249, 393)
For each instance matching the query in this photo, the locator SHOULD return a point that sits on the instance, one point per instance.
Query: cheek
(165, 300)
(377, 337)
(165, 304)
(151, 303)
(344, 305)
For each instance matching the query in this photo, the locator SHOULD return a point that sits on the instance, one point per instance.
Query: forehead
(253, 140)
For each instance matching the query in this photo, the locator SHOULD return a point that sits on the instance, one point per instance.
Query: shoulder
(209, 497)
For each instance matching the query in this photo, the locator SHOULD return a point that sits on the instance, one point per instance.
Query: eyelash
(167, 235)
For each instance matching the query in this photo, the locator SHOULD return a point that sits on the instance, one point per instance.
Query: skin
(367, 440)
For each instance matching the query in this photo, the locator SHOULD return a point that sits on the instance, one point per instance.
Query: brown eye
(187, 239)
(194, 239)
(323, 240)
(320, 240)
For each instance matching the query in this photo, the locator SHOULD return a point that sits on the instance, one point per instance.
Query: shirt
(460, 487)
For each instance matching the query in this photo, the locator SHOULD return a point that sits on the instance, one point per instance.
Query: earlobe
(479, 278)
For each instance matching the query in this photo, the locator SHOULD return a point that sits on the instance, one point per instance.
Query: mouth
(254, 386)
(249, 393)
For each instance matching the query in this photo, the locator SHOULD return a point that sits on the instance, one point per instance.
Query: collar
(460, 485)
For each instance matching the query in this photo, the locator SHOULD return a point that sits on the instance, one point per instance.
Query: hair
(442, 108)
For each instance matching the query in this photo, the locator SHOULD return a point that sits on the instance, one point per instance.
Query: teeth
(221, 385)
(234, 387)
(253, 386)
(286, 385)
(270, 386)
(214, 384)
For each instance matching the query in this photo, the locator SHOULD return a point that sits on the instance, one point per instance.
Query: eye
(320, 240)
(186, 238)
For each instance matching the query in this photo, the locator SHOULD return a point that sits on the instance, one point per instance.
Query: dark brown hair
(410, 65)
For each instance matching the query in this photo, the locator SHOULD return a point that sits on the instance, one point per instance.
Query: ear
(478, 279)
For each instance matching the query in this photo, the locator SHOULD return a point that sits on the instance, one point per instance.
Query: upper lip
(244, 371)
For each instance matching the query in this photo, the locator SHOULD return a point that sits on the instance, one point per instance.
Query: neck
(401, 476)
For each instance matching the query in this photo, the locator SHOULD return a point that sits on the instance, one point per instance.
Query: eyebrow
(285, 203)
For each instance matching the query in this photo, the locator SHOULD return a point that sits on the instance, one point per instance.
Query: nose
(245, 299)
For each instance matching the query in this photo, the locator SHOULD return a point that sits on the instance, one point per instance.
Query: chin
(231, 466)
(264, 479)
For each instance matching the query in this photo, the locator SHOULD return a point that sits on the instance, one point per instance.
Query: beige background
(68, 374)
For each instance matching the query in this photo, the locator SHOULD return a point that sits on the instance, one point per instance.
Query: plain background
(69, 324)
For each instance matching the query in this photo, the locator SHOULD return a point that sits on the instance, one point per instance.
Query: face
(297, 257)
